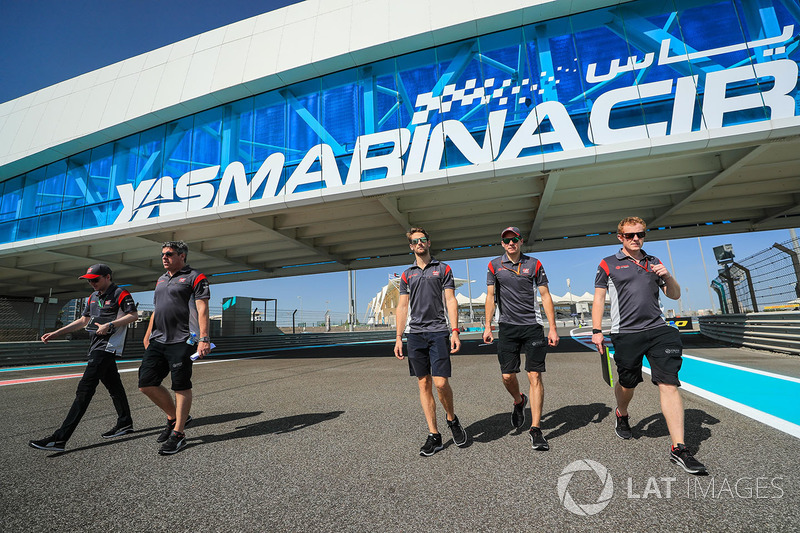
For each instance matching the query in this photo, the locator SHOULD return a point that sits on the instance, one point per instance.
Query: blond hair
(630, 221)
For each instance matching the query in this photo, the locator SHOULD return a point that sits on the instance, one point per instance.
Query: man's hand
(398, 348)
(599, 340)
(552, 337)
(102, 329)
(487, 335)
(47, 336)
(661, 271)
(455, 342)
(203, 348)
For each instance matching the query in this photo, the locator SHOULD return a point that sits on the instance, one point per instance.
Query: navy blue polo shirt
(103, 308)
(515, 289)
(633, 289)
(425, 288)
(175, 313)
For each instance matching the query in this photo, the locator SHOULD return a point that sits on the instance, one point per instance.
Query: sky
(44, 42)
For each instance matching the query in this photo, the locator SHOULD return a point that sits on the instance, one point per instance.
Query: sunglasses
(93, 281)
(420, 240)
(167, 254)
(509, 240)
(630, 236)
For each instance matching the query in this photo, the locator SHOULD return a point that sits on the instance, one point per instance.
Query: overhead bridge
(304, 141)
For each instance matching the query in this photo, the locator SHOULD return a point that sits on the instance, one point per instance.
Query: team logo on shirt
(435, 272)
(526, 270)
(182, 280)
(621, 266)
(108, 302)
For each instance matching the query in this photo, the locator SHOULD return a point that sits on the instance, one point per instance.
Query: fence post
(749, 284)
(795, 264)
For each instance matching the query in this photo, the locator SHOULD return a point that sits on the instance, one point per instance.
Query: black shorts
(663, 348)
(429, 354)
(512, 338)
(161, 359)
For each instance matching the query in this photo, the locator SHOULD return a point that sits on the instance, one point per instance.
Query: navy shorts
(161, 359)
(429, 354)
(512, 338)
(663, 348)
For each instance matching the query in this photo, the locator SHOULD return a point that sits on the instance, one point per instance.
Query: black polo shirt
(515, 289)
(174, 310)
(426, 296)
(633, 289)
(103, 308)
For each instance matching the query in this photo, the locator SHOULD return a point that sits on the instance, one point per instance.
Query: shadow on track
(152, 431)
(572, 417)
(267, 427)
(695, 430)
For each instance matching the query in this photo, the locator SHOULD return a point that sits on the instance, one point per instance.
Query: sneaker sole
(437, 449)
(181, 446)
(687, 469)
(45, 448)
(462, 443)
(540, 447)
(118, 433)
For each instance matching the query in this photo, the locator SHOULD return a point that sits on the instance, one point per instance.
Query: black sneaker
(459, 435)
(622, 428)
(167, 431)
(518, 414)
(48, 444)
(538, 442)
(432, 445)
(118, 431)
(681, 456)
(175, 443)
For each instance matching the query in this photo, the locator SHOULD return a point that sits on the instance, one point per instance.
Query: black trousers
(102, 367)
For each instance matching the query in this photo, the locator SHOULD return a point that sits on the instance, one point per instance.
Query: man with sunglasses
(108, 311)
(422, 284)
(178, 327)
(512, 281)
(632, 279)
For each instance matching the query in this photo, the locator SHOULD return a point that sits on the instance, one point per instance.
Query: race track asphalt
(327, 440)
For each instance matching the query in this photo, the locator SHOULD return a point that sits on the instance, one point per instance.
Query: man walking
(632, 278)
(422, 284)
(178, 327)
(512, 281)
(108, 311)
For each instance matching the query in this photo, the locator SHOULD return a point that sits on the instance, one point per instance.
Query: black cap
(96, 271)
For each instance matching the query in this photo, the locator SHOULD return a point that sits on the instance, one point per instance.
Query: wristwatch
(596, 331)
(204, 339)
(111, 328)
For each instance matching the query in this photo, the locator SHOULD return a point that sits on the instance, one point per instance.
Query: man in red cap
(512, 281)
(108, 311)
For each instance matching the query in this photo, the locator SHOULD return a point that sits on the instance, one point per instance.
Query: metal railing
(777, 332)
(23, 353)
